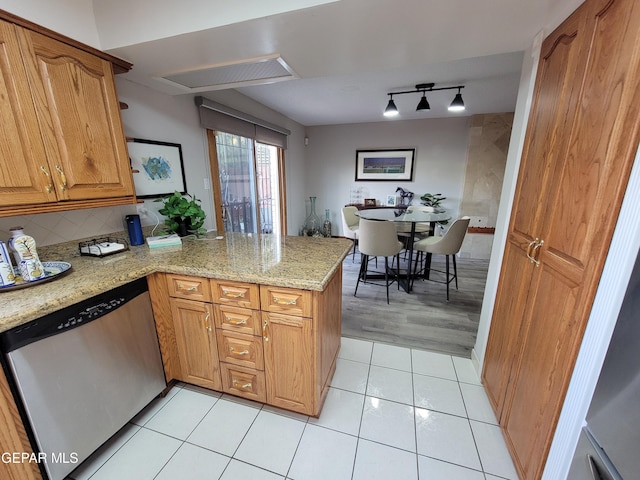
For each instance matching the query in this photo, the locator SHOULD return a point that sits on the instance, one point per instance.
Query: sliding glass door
(249, 195)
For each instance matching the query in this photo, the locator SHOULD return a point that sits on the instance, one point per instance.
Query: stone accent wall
(489, 137)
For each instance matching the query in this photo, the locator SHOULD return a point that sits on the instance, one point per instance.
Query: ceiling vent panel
(255, 71)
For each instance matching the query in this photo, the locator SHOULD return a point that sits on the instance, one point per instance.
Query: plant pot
(183, 227)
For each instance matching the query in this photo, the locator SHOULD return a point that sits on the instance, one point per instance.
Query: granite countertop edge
(90, 276)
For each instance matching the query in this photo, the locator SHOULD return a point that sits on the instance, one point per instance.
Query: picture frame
(369, 202)
(392, 200)
(385, 164)
(158, 167)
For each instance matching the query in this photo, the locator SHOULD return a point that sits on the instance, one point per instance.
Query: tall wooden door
(582, 137)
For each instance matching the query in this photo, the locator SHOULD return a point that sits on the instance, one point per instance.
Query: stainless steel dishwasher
(80, 374)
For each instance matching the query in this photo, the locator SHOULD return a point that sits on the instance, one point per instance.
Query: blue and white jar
(7, 275)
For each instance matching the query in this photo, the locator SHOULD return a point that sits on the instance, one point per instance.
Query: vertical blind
(215, 116)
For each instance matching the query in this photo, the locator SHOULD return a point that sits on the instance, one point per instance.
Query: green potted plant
(432, 200)
(184, 214)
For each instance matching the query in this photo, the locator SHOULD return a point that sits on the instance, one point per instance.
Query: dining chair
(422, 229)
(448, 245)
(350, 226)
(378, 238)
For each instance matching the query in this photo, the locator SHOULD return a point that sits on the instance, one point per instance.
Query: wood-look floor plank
(420, 319)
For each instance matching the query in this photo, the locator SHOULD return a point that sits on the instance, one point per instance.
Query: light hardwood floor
(420, 319)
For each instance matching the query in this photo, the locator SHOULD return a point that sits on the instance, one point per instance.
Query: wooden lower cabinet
(269, 344)
(195, 336)
(289, 362)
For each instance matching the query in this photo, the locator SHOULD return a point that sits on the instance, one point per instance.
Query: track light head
(391, 110)
(424, 103)
(457, 105)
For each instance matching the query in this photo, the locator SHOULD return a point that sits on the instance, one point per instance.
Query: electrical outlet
(141, 209)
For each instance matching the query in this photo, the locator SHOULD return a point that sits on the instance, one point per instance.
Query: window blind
(215, 116)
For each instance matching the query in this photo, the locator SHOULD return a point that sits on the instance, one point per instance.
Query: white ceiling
(348, 54)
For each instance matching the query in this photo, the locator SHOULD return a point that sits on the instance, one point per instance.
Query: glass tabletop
(414, 216)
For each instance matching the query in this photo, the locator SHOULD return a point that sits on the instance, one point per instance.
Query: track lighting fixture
(457, 105)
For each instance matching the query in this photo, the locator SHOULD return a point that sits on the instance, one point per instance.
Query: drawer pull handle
(230, 294)
(206, 322)
(265, 334)
(182, 288)
(278, 301)
(243, 386)
(235, 321)
(243, 352)
(49, 187)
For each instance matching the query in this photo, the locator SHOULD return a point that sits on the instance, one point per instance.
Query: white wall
(73, 18)
(441, 153)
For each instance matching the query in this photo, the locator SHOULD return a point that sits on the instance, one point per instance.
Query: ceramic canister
(25, 254)
(7, 276)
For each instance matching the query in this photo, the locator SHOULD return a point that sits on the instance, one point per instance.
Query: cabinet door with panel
(197, 349)
(581, 143)
(289, 362)
(78, 117)
(25, 176)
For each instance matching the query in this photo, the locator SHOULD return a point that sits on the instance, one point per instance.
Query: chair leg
(447, 279)
(455, 269)
(362, 273)
(386, 276)
(398, 273)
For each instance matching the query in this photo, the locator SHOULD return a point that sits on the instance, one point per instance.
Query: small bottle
(7, 275)
(25, 255)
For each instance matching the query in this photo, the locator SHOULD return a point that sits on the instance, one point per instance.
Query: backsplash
(51, 228)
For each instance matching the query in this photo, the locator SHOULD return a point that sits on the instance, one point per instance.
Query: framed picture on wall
(158, 167)
(385, 165)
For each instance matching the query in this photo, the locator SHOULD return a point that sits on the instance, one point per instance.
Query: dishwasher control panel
(91, 313)
(72, 316)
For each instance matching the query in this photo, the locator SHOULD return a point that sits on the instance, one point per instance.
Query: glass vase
(326, 227)
(312, 224)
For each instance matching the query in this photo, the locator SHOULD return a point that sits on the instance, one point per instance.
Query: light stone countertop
(286, 261)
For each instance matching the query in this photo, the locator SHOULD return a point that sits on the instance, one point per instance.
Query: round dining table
(412, 217)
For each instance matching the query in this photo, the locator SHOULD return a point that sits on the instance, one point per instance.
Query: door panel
(21, 179)
(577, 181)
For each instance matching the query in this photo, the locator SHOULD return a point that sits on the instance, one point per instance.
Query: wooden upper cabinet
(24, 171)
(79, 119)
(62, 141)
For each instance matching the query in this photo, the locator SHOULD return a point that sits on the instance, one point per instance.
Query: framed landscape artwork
(385, 164)
(158, 168)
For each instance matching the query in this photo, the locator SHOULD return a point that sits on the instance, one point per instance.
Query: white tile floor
(391, 413)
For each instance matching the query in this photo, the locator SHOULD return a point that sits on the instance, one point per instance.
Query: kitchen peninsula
(257, 316)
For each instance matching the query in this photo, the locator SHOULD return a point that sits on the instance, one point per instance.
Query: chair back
(452, 240)
(350, 221)
(378, 238)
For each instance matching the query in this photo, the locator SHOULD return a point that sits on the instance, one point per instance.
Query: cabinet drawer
(286, 300)
(237, 319)
(240, 349)
(235, 293)
(243, 382)
(193, 288)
